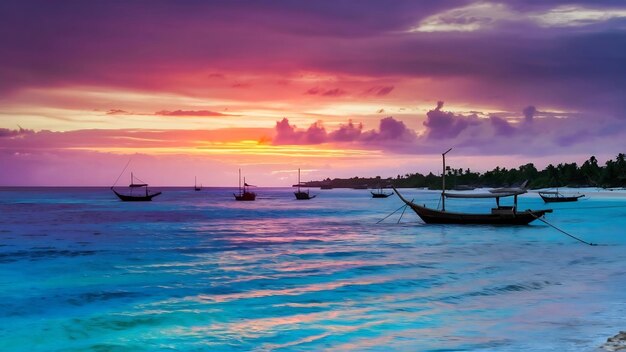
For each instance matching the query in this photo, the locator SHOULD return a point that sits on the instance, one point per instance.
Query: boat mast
(298, 180)
(443, 181)
(240, 181)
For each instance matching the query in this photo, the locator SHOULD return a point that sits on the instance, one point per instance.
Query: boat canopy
(133, 185)
(484, 195)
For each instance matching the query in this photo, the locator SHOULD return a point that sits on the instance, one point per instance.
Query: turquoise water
(197, 271)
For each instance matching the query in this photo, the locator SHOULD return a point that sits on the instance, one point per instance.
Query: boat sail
(244, 194)
(500, 215)
(300, 195)
(142, 197)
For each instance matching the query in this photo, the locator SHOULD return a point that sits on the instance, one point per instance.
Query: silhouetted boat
(195, 185)
(244, 194)
(144, 197)
(557, 197)
(380, 193)
(501, 215)
(300, 195)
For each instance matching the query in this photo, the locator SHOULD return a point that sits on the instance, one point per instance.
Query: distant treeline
(590, 173)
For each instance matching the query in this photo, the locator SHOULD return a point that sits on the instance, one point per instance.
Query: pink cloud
(379, 91)
(335, 92)
(203, 113)
(118, 112)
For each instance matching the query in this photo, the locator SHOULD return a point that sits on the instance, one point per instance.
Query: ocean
(197, 271)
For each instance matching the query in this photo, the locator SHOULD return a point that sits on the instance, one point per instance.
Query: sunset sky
(337, 88)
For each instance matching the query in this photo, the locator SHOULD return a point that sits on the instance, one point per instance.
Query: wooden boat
(244, 193)
(143, 197)
(195, 185)
(379, 193)
(500, 215)
(558, 197)
(300, 195)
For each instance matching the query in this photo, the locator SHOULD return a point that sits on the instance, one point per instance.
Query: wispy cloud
(194, 113)
(484, 15)
(334, 92)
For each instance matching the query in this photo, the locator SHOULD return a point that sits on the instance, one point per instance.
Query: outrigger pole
(443, 181)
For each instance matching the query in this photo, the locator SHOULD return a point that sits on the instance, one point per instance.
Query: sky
(336, 88)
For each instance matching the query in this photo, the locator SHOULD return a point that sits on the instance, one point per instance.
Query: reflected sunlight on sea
(198, 271)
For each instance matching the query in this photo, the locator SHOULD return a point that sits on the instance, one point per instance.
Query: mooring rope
(563, 231)
(395, 211)
(403, 210)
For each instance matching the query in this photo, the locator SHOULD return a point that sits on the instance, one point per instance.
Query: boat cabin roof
(133, 185)
(484, 195)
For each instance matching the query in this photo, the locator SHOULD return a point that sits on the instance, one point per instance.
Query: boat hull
(548, 199)
(381, 195)
(433, 216)
(130, 198)
(303, 195)
(246, 196)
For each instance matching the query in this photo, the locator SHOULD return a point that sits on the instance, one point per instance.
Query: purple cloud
(288, 134)
(501, 126)
(529, 113)
(5, 132)
(390, 129)
(335, 92)
(441, 124)
(346, 133)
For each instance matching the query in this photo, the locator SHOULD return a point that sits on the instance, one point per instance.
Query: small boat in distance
(558, 197)
(300, 195)
(244, 193)
(379, 193)
(142, 197)
(195, 185)
(500, 215)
